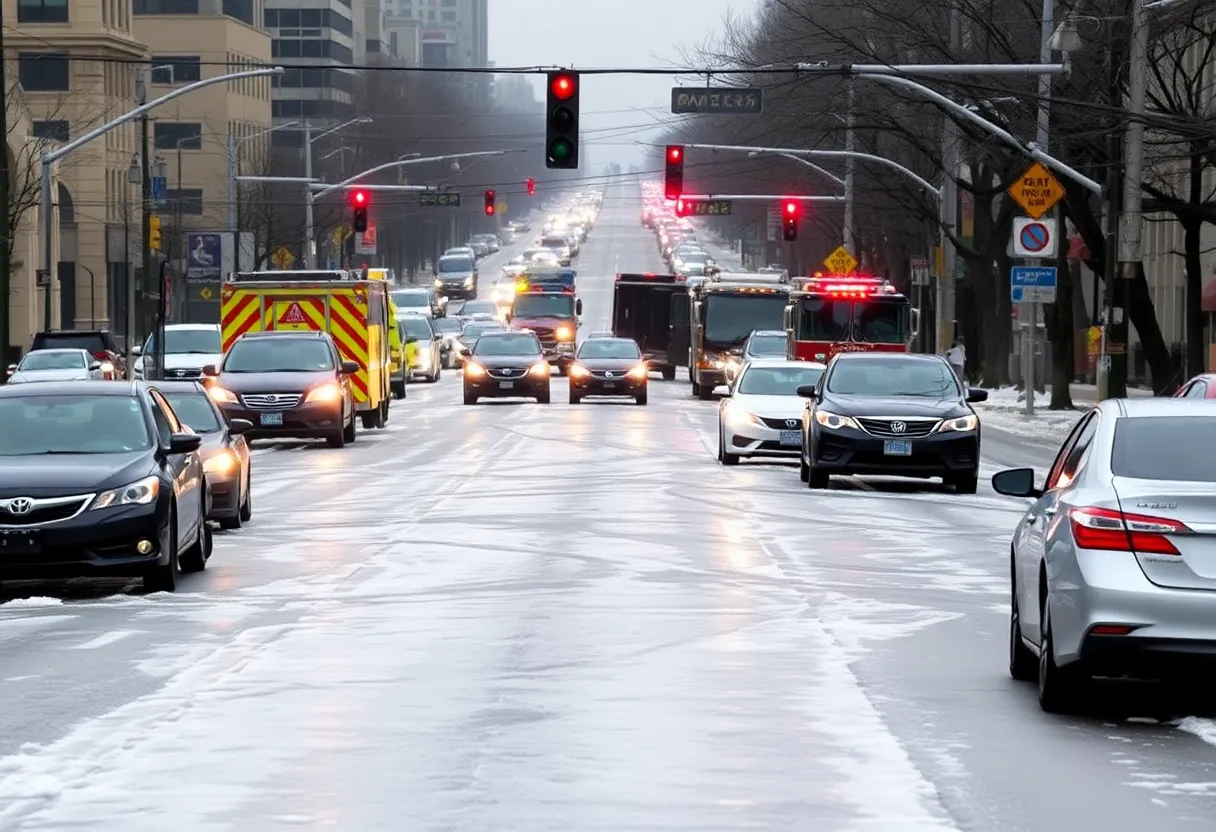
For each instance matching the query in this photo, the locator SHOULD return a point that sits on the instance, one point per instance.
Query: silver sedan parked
(56, 365)
(1114, 564)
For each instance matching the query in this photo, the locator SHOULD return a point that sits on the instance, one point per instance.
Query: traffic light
(675, 171)
(490, 208)
(789, 220)
(561, 134)
(531, 183)
(154, 233)
(358, 203)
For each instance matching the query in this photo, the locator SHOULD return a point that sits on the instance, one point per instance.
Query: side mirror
(721, 390)
(211, 370)
(137, 350)
(12, 368)
(915, 322)
(409, 339)
(578, 307)
(808, 391)
(239, 427)
(184, 443)
(1016, 482)
(349, 368)
(96, 365)
(974, 395)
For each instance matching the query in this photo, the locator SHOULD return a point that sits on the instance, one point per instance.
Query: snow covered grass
(1004, 411)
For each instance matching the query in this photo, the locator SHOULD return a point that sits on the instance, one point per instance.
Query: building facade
(320, 33)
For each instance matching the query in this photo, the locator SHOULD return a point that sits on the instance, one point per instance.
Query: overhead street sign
(447, 200)
(1037, 191)
(1033, 239)
(707, 207)
(729, 100)
(1032, 284)
(841, 261)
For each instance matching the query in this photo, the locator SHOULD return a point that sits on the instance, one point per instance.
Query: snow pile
(1004, 412)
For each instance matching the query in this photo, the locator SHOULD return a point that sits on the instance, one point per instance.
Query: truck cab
(553, 314)
(830, 314)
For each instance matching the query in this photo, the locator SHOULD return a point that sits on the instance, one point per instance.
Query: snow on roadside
(1004, 411)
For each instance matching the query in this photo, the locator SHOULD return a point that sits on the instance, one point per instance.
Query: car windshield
(92, 343)
(544, 306)
(411, 300)
(609, 348)
(454, 265)
(73, 360)
(554, 242)
(72, 424)
(446, 325)
(475, 307)
(928, 378)
(730, 319)
(1177, 448)
(188, 341)
(195, 410)
(279, 355)
(474, 330)
(508, 344)
(417, 328)
(767, 345)
(777, 381)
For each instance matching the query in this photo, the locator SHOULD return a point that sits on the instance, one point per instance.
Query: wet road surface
(524, 617)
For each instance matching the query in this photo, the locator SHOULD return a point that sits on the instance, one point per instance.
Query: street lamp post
(234, 169)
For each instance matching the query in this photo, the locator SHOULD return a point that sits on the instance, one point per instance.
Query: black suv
(505, 365)
(99, 342)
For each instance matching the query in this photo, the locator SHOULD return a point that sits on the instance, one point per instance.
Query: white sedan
(761, 413)
(58, 365)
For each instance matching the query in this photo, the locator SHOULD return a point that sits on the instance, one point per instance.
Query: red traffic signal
(531, 183)
(490, 207)
(674, 182)
(792, 208)
(563, 86)
(359, 198)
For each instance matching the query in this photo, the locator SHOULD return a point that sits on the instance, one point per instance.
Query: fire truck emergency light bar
(650, 276)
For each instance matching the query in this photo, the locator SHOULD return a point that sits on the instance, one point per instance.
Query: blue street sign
(1032, 284)
(203, 257)
(160, 188)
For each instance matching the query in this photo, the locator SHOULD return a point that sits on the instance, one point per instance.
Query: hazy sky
(615, 110)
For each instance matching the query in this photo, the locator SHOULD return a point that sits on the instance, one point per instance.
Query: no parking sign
(1033, 238)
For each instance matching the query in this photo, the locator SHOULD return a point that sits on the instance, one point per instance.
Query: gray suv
(456, 276)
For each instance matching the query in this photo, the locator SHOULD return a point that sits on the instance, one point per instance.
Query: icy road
(513, 617)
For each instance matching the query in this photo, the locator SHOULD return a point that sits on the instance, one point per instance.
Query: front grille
(783, 424)
(899, 428)
(610, 375)
(507, 372)
(184, 374)
(279, 401)
(44, 511)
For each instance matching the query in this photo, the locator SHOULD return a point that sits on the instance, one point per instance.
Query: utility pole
(309, 231)
(1030, 311)
(849, 167)
(6, 219)
(949, 209)
(234, 208)
(145, 222)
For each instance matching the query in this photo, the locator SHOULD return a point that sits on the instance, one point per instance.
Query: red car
(1202, 386)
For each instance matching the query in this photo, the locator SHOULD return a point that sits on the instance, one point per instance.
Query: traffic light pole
(766, 197)
(324, 190)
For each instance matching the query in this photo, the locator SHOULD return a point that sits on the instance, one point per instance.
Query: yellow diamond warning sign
(291, 316)
(841, 261)
(1037, 191)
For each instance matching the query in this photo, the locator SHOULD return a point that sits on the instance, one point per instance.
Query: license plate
(791, 437)
(897, 447)
(609, 385)
(272, 418)
(506, 385)
(20, 540)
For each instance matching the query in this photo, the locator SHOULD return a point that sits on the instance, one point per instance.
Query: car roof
(785, 362)
(179, 387)
(769, 332)
(54, 333)
(285, 333)
(879, 356)
(611, 337)
(1150, 407)
(192, 326)
(58, 349)
(63, 388)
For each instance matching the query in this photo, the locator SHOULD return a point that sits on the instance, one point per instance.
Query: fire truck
(724, 311)
(545, 303)
(829, 314)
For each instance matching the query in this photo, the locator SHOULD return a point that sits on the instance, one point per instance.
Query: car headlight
(640, 373)
(138, 493)
(564, 333)
(833, 421)
(540, 369)
(221, 396)
(962, 424)
(474, 370)
(742, 418)
(222, 464)
(468, 283)
(325, 394)
(579, 371)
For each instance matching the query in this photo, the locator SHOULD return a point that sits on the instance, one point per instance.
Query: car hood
(273, 382)
(499, 362)
(452, 277)
(773, 407)
(894, 406)
(57, 475)
(28, 376)
(614, 364)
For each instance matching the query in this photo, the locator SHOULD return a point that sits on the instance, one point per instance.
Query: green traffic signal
(561, 150)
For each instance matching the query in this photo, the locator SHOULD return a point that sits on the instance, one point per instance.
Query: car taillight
(1116, 531)
(101, 355)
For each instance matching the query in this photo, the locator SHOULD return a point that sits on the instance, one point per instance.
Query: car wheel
(804, 470)
(233, 523)
(705, 393)
(968, 484)
(164, 578)
(195, 558)
(1060, 688)
(669, 373)
(543, 397)
(470, 398)
(368, 418)
(337, 439)
(398, 388)
(575, 398)
(723, 456)
(816, 478)
(643, 398)
(247, 506)
(1023, 664)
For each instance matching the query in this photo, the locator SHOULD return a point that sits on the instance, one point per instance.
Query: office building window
(42, 11)
(55, 131)
(373, 45)
(310, 48)
(44, 71)
(165, 6)
(176, 69)
(242, 10)
(292, 22)
(170, 135)
(185, 200)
